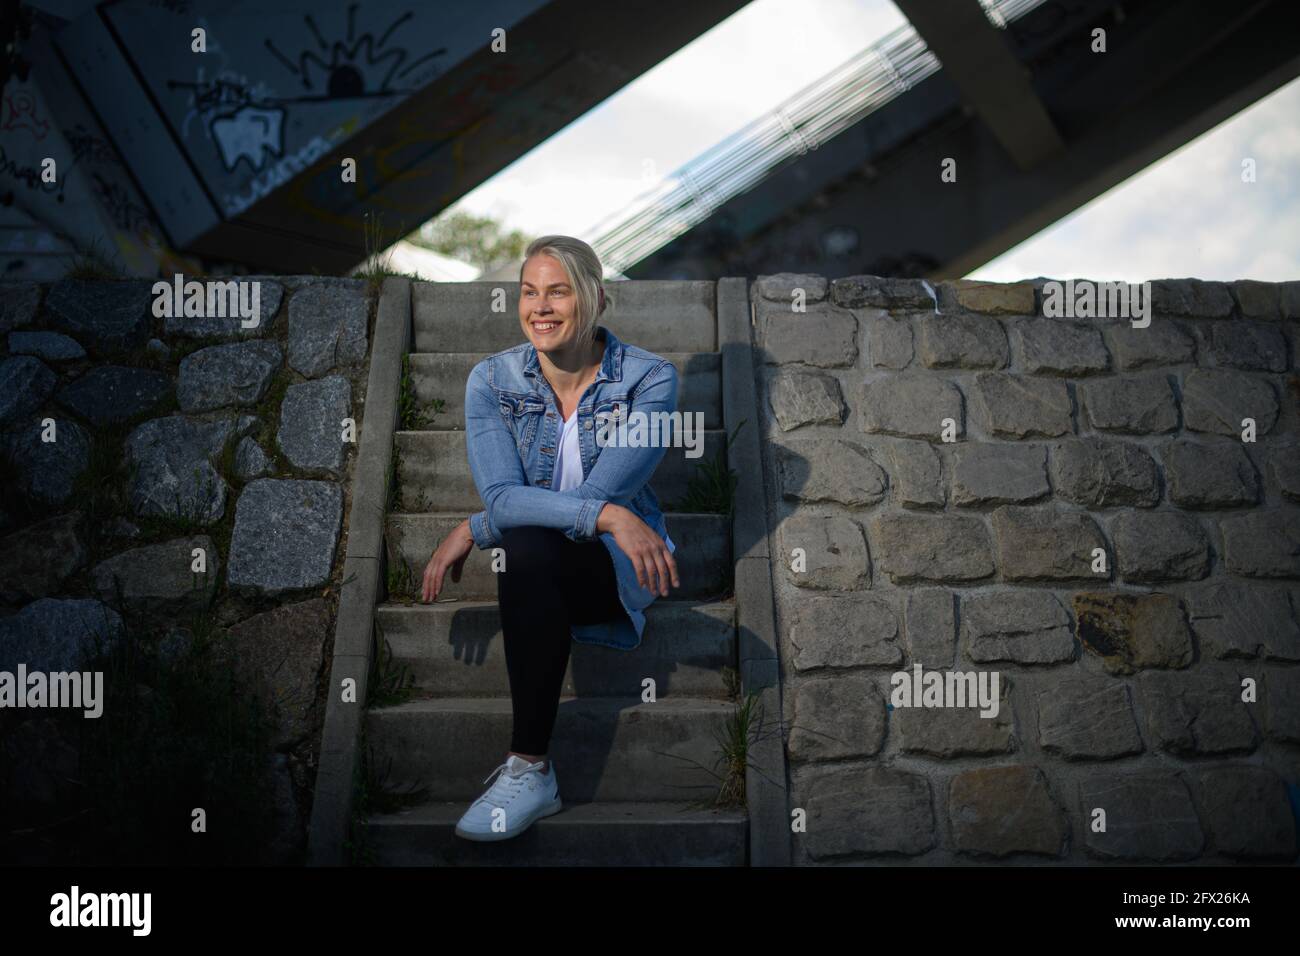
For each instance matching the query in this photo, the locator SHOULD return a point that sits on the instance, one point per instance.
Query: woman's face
(547, 305)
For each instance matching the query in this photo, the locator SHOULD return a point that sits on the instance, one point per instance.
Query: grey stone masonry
(910, 404)
(1059, 348)
(994, 474)
(285, 535)
(805, 398)
(327, 328)
(1220, 402)
(822, 335)
(1101, 473)
(312, 424)
(1103, 511)
(234, 374)
(967, 341)
(1156, 546)
(829, 469)
(1210, 474)
(1017, 406)
(825, 553)
(1139, 405)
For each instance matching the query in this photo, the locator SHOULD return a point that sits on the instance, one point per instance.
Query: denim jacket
(512, 426)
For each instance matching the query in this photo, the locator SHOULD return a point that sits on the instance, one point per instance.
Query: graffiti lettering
(29, 176)
(277, 175)
(20, 113)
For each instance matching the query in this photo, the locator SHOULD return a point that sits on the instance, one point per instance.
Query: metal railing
(825, 108)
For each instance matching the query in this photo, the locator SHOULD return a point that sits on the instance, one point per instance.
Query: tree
(478, 240)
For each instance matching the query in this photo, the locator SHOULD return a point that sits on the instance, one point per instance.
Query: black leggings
(549, 582)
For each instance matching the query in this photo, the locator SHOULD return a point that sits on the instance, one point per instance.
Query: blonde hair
(585, 273)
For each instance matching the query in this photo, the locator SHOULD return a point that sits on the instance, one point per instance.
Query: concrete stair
(636, 778)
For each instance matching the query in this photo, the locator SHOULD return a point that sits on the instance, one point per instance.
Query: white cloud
(1187, 215)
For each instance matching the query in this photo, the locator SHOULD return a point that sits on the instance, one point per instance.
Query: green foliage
(400, 579)
(177, 733)
(410, 415)
(742, 729)
(377, 265)
(390, 682)
(101, 490)
(94, 261)
(478, 240)
(711, 488)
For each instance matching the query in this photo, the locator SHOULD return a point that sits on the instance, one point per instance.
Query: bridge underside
(238, 151)
(1038, 124)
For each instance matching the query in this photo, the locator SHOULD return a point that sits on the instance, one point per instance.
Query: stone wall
(1093, 527)
(129, 441)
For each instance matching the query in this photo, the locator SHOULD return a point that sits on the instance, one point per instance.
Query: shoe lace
(506, 787)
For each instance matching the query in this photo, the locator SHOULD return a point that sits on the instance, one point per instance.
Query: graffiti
(347, 70)
(277, 175)
(125, 213)
(251, 133)
(243, 126)
(20, 113)
(247, 124)
(86, 145)
(29, 176)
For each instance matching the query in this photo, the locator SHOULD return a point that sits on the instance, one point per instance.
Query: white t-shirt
(568, 463)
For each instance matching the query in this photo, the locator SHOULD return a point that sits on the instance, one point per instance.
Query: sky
(1188, 214)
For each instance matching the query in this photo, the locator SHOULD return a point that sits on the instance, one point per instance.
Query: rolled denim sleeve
(485, 536)
(494, 462)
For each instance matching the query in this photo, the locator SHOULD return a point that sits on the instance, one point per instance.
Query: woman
(585, 545)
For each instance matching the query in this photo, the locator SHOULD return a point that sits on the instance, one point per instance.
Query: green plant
(742, 729)
(92, 262)
(478, 240)
(400, 578)
(14, 499)
(377, 264)
(185, 516)
(391, 473)
(372, 794)
(410, 415)
(711, 488)
(390, 682)
(101, 489)
(177, 733)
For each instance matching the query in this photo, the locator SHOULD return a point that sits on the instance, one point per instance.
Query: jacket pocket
(522, 413)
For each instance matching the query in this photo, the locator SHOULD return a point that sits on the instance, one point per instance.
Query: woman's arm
(509, 501)
(621, 471)
(618, 474)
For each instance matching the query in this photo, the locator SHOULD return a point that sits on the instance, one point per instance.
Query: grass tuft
(711, 488)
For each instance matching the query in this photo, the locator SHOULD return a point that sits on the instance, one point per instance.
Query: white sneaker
(518, 797)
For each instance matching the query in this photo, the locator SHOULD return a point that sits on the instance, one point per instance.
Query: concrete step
(582, 834)
(660, 315)
(603, 748)
(433, 470)
(703, 554)
(442, 375)
(454, 649)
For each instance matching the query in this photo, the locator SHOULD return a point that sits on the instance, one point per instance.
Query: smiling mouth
(544, 328)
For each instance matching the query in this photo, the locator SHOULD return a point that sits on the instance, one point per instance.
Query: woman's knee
(532, 547)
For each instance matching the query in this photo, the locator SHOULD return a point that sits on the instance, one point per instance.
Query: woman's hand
(451, 553)
(647, 551)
